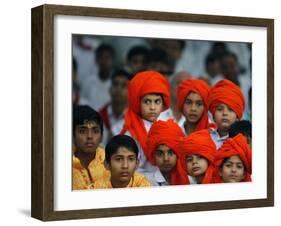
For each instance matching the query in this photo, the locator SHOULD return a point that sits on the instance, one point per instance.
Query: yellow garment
(137, 180)
(83, 177)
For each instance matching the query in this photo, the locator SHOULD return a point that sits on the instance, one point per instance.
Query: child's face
(151, 106)
(87, 137)
(232, 170)
(224, 117)
(193, 107)
(165, 158)
(196, 165)
(122, 166)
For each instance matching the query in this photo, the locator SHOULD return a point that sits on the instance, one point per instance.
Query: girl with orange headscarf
(162, 141)
(192, 101)
(227, 104)
(198, 156)
(148, 96)
(234, 161)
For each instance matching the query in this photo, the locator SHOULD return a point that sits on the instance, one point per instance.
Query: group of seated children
(212, 146)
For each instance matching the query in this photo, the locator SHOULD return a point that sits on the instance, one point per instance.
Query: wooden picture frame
(43, 111)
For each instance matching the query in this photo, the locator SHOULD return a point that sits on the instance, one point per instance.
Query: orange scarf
(143, 83)
(202, 89)
(228, 93)
(199, 143)
(169, 134)
(235, 146)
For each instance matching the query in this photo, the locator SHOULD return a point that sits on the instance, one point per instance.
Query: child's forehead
(124, 151)
(88, 123)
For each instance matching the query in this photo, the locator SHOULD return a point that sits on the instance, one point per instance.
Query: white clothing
(218, 140)
(156, 177)
(96, 92)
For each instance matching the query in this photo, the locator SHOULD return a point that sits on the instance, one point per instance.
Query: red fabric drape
(169, 134)
(143, 83)
(235, 146)
(202, 89)
(199, 143)
(228, 93)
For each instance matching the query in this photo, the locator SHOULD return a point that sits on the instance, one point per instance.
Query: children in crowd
(198, 156)
(192, 101)
(226, 103)
(88, 156)
(234, 161)
(148, 96)
(162, 141)
(121, 160)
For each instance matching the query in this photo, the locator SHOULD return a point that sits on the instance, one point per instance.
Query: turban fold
(226, 92)
(169, 134)
(202, 89)
(235, 146)
(199, 143)
(143, 83)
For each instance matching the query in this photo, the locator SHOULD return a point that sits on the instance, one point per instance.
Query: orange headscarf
(228, 93)
(168, 133)
(199, 143)
(143, 83)
(235, 146)
(202, 89)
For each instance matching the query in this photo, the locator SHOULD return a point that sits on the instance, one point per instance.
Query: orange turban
(143, 83)
(235, 146)
(199, 143)
(226, 92)
(202, 89)
(169, 134)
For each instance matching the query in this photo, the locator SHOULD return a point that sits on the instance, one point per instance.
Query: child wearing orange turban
(198, 156)
(234, 161)
(192, 101)
(227, 104)
(162, 141)
(148, 96)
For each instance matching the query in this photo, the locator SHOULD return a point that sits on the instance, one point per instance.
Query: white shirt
(156, 177)
(218, 140)
(168, 114)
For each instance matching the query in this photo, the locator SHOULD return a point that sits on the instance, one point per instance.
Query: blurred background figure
(95, 88)
(113, 112)
(137, 59)
(213, 69)
(158, 61)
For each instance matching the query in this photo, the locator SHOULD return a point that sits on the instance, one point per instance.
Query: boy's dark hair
(121, 73)
(137, 50)
(105, 47)
(243, 126)
(211, 58)
(82, 113)
(120, 141)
